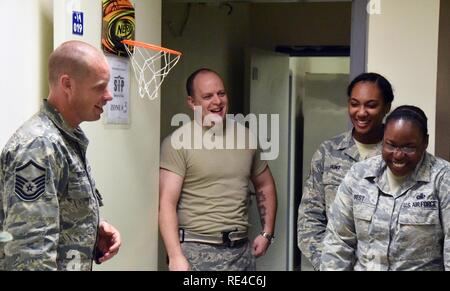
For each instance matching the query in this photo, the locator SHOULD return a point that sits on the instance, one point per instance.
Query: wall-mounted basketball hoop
(151, 64)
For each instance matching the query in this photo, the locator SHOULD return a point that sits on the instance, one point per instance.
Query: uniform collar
(75, 134)
(423, 170)
(349, 147)
(378, 168)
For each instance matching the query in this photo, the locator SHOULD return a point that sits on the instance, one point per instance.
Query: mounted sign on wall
(118, 109)
(118, 24)
(77, 22)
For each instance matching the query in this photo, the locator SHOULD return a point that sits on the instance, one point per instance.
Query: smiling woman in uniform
(392, 212)
(369, 100)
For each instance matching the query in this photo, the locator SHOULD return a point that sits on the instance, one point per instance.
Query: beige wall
(27, 42)
(403, 46)
(443, 84)
(125, 161)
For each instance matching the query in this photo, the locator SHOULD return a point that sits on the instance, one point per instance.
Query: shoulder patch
(29, 182)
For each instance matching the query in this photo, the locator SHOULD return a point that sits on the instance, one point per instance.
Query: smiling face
(90, 93)
(209, 93)
(367, 108)
(403, 146)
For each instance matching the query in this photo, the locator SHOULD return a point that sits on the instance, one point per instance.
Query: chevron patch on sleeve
(29, 182)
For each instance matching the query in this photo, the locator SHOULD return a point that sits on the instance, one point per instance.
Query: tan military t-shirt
(366, 150)
(215, 191)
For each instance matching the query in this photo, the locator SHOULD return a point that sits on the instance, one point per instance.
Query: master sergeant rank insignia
(30, 181)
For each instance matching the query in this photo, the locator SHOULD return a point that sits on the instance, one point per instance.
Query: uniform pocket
(420, 233)
(363, 214)
(363, 211)
(79, 186)
(422, 217)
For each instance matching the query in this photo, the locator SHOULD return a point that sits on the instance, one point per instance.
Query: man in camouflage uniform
(50, 204)
(204, 193)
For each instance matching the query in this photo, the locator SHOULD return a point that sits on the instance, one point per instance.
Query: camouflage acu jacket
(48, 197)
(372, 228)
(329, 165)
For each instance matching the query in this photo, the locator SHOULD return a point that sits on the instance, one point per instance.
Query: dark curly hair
(382, 83)
(411, 113)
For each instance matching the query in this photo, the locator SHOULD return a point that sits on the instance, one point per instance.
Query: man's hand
(179, 263)
(109, 241)
(260, 246)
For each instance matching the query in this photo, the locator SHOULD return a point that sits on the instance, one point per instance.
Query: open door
(267, 82)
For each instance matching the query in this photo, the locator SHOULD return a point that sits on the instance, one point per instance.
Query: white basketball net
(150, 68)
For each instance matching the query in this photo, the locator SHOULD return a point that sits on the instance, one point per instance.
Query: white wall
(315, 111)
(125, 161)
(403, 46)
(27, 41)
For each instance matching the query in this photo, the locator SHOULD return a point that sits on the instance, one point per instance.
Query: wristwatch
(268, 236)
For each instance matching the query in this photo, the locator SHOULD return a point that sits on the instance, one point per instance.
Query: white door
(268, 84)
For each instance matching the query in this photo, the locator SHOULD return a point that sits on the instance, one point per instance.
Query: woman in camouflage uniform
(392, 212)
(370, 97)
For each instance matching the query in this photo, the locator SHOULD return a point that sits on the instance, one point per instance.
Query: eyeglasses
(406, 149)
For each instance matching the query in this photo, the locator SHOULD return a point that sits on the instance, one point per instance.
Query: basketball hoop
(151, 64)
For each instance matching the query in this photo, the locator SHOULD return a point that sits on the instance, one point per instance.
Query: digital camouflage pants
(210, 257)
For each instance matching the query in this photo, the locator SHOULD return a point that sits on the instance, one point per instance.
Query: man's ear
(66, 83)
(190, 102)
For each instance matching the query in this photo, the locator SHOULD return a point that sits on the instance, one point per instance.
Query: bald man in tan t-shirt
(204, 193)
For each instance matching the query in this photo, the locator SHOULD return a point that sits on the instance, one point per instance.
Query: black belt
(228, 238)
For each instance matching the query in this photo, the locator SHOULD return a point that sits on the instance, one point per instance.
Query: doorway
(216, 34)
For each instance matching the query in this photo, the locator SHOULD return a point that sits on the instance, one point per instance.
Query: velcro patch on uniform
(359, 198)
(335, 167)
(29, 182)
(428, 204)
(421, 196)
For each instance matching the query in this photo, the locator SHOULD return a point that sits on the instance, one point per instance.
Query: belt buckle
(226, 239)
(181, 234)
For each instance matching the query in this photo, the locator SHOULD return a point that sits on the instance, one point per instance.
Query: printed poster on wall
(118, 24)
(118, 109)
